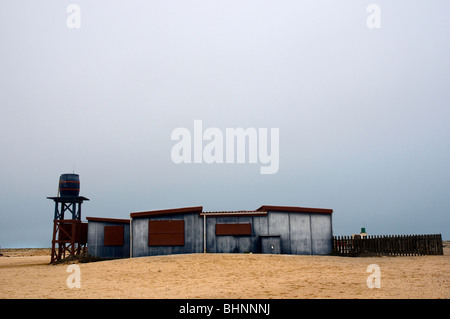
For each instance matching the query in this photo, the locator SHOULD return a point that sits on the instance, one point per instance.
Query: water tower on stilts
(69, 235)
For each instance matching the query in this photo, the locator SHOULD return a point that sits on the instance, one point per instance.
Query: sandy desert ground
(26, 273)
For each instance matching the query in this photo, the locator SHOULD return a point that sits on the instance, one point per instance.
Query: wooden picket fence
(388, 245)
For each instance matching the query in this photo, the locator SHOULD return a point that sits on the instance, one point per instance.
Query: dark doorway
(270, 244)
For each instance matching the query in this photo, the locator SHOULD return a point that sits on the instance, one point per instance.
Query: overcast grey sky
(363, 113)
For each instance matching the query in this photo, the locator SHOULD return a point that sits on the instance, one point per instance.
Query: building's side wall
(96, 245)
(321, 234)
(193, 236)
(229, 244)
(300, 233)
(278, 223)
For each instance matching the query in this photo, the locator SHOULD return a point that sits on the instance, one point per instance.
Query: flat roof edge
(295, 209)
(108, 220)
(234, 213)
(259, 212)
(195, 209)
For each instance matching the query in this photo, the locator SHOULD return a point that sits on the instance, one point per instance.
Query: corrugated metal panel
(166, 232)
(233, 229)
(113, 235)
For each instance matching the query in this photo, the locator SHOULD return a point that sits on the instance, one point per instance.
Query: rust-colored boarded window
(166, 233)
(233, 229)
(113, 235)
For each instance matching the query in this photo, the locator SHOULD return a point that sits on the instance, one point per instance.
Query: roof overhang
(163, 212)
(293, 209)
(107, 220)
(262, 211)
(234, 213)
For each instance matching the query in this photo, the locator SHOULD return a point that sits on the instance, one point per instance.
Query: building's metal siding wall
(278, 223)
(300, 234)
(193, 236)
(96, 245)
(321, 234)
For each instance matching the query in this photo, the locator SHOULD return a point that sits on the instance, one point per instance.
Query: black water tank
(69, 185)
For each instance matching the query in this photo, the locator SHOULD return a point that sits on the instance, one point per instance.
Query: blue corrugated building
(268, 229)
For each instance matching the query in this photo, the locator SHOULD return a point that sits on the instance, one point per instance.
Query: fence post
(350, 245)
(335, 245)
(420, 245)
(338, 248)
(386, 241)
(441, 245)
(378, 245)
(402, 245)
(338, 245)
(409, 245)
(434, 243)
